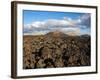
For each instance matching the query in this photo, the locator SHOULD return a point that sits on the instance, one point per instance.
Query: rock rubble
(51, 51)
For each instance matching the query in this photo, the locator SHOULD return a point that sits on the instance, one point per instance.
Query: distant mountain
(56, 34)
(85, 35)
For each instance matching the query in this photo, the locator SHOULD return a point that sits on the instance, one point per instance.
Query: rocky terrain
(56, 49)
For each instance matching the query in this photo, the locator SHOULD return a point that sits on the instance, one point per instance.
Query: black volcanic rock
(56, 49)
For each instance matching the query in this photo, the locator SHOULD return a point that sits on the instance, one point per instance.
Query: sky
(42, 22)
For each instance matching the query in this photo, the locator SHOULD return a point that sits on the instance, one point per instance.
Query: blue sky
(42, 22)
(30, 16)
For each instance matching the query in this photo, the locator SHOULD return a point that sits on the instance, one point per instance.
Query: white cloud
(38, 24)
(85, 16)
(36, 33)
(48, 25)
(71, 31)
(59, 23)
(85, 20)
(67, 25)
(67, 18)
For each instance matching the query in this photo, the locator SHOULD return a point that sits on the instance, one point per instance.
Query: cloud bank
(66, 25)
